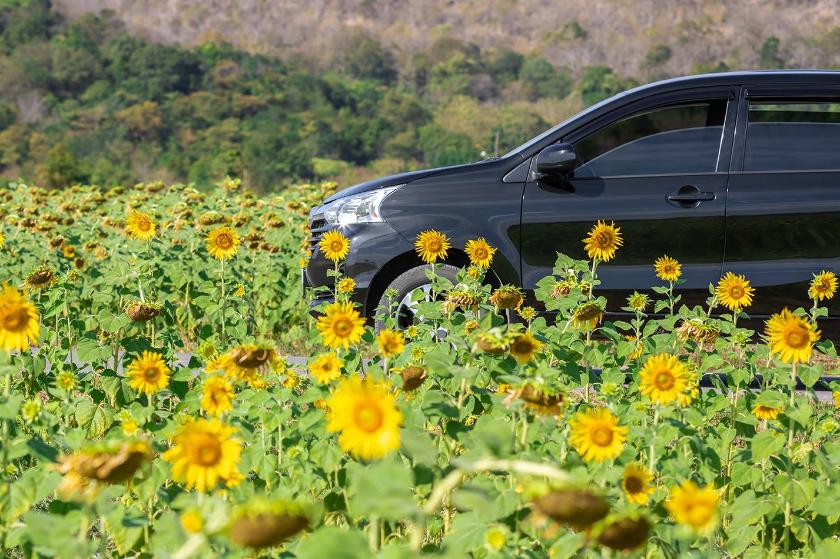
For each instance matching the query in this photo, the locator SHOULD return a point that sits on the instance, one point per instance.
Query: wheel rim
(407, 312)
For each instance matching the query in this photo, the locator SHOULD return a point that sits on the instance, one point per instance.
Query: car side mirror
(556, 160)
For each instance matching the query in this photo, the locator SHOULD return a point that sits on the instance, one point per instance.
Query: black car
(724, 172)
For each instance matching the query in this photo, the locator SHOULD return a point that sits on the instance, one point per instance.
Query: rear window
(793, 136)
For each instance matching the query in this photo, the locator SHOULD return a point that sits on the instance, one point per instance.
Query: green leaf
(95, 418)
(771, 399)
(382, 489)
(125, 532)
(467, 533)
(765, 444)
(33, 486)
(334, 543)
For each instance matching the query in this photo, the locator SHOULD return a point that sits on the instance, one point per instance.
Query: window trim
(729, 94)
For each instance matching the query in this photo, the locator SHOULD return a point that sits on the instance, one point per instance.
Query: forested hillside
(133, 94)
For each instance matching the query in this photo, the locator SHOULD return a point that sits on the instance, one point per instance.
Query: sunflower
(341, 325)
(638, 301)
(216, 396)
(431, 246)
(2, 239)
(19, 324)
(65, 380)
(148, 373)
(766, 412)
(636, 484)
(40, 278)
(326, 368)
(260, 523)
(667, 268)
(734, 292)
(334, 245)
(140, 226)
(366, 414)
(524, 347)
(823, 286)
(694, 506)
(602, 241)
(346, 285)
(479, 252)
(663, 378)
(191, 521)
(791, 337)
(596, 435)
(587, 316)
(222, 243)
(203, 453)
(391, 343)
(506, 297)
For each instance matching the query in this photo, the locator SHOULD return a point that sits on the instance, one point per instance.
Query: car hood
(384, 182)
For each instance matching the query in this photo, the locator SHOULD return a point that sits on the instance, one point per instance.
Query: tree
(61, 168)
(362, 56)
(769, 56)
(599, 82)
(540, 79)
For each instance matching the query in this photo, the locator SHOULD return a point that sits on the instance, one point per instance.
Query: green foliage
(657, 55)
(599, 82)
(769, 56)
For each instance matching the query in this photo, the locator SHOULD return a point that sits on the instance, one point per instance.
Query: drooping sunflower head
(734, 292)
(538, 397)
(326, 368)
(603, 241)
(40, 278)
(142, 311)
(587, 316)
(577, 508)
(90, 468)
(506, 297)
(597, 435)
(662, 378)
(139, 225)
(636, 484)
(391, 343)
(625, 533)
(19, 325)
(413, 377)
(638, 301)
(341, 325)
(431, 246)
(524, 346)
(667, 268)
(823, 286)
(260, 523)
(694, 506)
(216, 396)
(366, 415)
(466, 296)
(479, 252)
(203, 454)
(791, 337)
(334, 245)
(561, 288)
(766, 412)
(697, 330)
(148, 373)
(223, 242)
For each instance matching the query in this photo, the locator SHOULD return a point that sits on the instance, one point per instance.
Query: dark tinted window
(793, 136)
(675, 139)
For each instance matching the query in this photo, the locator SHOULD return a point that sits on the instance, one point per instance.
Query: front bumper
(372, 246)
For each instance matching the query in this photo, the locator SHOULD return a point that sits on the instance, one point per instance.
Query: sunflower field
(148, 409)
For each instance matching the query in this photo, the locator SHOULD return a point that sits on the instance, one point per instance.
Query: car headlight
(360, 208)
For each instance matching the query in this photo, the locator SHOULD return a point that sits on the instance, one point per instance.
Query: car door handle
(690, 195)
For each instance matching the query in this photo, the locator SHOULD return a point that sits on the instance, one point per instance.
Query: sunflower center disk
(207, 451)
(736, 292)
(342, 327)
(604, 239)
(144, 225)
(16, 319)
(151, 373)
(602, 436)
(664, 380)
(796, 338)
(633, 484)
(368, 417)
(224, 241)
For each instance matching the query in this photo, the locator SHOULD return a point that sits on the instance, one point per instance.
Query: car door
(783, 214)
(657, 168)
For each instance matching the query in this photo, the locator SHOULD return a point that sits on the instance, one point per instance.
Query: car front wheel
(410, 287)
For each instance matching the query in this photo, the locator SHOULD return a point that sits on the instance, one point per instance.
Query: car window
(792, 136)
(680, 139)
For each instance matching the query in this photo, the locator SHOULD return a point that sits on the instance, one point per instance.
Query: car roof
(741, 78)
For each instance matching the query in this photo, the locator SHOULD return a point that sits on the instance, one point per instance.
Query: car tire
(408, 282)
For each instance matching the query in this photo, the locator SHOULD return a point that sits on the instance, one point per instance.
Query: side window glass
(679, 139)
(792, 136)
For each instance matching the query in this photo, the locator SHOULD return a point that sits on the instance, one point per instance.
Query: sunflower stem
(373, 533)
(222, 302)
(652, 450)
(789, 465)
